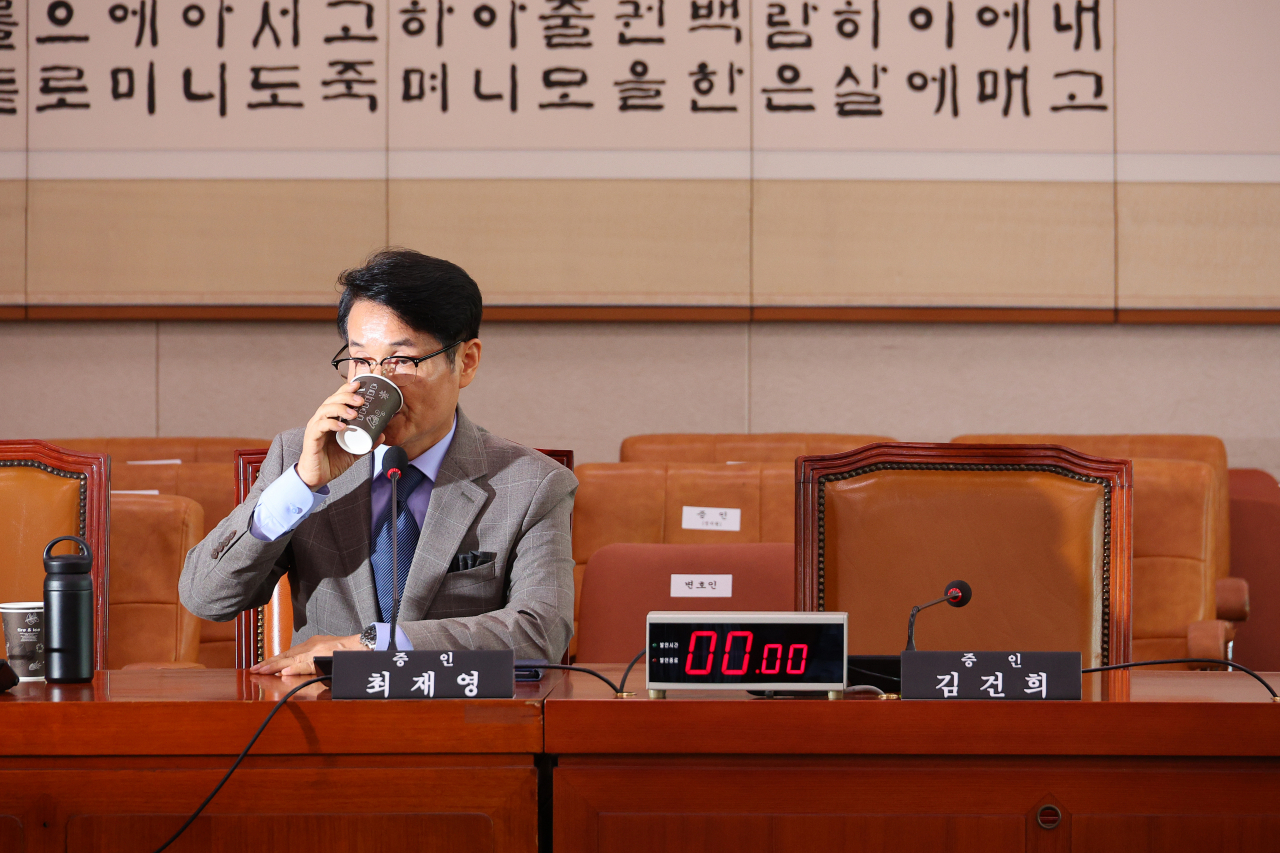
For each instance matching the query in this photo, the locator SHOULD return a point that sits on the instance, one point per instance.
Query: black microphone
(958, 594)
(394, 461)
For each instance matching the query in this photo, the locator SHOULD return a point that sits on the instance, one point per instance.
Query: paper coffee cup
(382, 399)
(24, 638)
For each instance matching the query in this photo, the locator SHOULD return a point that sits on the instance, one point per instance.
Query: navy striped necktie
(406, 533)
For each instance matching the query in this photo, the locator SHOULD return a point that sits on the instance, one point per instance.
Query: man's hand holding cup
(346, 426)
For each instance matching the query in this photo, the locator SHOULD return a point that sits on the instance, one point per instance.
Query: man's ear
(468, 361)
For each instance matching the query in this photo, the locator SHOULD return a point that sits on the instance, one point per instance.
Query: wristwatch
(369, 637)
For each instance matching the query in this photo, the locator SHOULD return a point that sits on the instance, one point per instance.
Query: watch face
(773, 654)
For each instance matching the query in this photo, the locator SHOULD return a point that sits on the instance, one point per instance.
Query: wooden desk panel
(1183, 770)
(120, 763)
(216, 711)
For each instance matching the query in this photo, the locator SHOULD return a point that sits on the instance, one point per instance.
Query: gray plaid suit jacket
(492, 495)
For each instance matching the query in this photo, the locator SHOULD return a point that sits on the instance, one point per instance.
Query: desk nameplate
(437, 674)
(991, 675)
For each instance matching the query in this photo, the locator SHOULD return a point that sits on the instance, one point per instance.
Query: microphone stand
(394, 476)
(911, 622)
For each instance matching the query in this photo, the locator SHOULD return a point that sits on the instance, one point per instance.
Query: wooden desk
(117, 765)
(1192, 762)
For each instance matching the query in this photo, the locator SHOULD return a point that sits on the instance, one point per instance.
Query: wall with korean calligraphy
(987, 153)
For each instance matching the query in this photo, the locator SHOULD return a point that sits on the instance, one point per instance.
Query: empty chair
(738, 447)
(1174, 542)
(150, 537)
(660, 502)
(622, 583)
(1041, 533)
(46, 492)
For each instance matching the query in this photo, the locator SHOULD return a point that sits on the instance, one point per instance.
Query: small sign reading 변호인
(711, 518)
(702, 586)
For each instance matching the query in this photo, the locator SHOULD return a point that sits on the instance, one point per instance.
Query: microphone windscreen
(395, 457)
(966, 593)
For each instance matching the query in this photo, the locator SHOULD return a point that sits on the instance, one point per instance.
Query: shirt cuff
(284, 505)
(383, 642)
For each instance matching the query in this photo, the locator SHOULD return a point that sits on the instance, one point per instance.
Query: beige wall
(587, 386)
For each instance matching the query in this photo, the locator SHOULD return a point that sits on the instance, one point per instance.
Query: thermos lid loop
(68, 564)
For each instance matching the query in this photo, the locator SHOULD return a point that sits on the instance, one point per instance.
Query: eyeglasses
(401, 369)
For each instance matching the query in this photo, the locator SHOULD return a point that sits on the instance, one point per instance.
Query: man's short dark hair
(428, 294)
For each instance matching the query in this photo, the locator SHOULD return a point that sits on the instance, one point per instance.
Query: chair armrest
(1208, 638)
(1233, 599)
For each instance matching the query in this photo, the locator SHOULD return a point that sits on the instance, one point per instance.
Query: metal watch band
(369, 637)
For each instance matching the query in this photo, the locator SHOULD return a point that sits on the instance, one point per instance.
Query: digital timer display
(765, 651)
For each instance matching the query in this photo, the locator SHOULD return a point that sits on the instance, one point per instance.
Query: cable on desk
(239, 759)
(875, 674)
(1232, 664)
(612, 686)
(622, 685)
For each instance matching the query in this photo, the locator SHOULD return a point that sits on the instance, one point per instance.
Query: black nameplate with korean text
(991, 675)
(424, 674)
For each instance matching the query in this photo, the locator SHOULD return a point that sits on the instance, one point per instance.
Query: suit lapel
(351, 532)
(455, 501)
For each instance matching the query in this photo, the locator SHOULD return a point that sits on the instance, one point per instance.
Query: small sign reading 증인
(711, 518)
(702, 586)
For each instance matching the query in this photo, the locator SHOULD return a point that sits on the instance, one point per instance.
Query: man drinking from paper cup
(482, 530)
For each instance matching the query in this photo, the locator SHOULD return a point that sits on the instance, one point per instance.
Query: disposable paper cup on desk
(382, 399)
(24, 638)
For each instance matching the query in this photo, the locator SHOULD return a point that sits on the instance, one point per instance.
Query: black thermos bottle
(68, 614)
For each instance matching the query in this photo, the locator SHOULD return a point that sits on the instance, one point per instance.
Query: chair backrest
(738, 447)
(209, 484)
(251, 635)
(623, 583)
(46, 492)
(268, 630)
(1255, 557)
(143, 450)
(1201, 448)
(644, 502)
(1041, 533)
(150, 538)
(1174, 543)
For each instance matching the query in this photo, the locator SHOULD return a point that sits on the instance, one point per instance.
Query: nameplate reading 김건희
(991, 675)
(424, 674)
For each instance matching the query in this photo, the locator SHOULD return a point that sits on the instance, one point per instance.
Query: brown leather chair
(1255, 560)
(1041, 533)
(268, 630)
(643, 502)
(622, 583)
(738, 447)
(150, 537)
(46, 492)
(1174, 543)
(211, 485)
